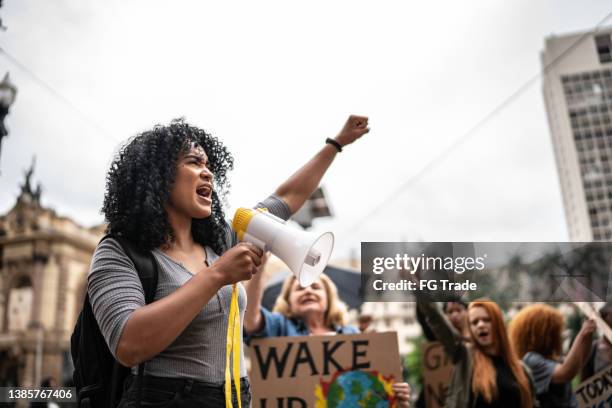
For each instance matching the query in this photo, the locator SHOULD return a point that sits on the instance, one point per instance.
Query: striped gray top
(198, 352)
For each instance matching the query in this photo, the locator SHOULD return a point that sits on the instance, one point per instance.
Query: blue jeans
(158, 392)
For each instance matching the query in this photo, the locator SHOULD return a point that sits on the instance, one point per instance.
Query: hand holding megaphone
(239, 263)
(305, 253)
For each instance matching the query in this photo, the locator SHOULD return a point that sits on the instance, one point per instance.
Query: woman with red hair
(487, 371)
(536, 332)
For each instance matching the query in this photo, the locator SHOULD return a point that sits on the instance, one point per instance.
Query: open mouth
(204, 191)
(483, 335)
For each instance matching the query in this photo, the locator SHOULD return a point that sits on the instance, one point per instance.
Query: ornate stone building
(44, 259)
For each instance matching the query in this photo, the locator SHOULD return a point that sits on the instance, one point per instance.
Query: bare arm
(295, 191)
(253, 321)
(443, 330)
(576, 358)
(440, 326)
(152, 328)
(297, 188)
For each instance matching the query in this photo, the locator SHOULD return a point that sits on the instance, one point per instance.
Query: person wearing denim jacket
(303, 311)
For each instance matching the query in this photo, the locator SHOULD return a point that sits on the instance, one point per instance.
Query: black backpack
(97, 376)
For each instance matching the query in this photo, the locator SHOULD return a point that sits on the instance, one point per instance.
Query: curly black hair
(140, 178)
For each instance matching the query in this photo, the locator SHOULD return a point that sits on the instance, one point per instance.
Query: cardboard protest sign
(324, 371)
(589, 311)
(437, 369)
(596, 392)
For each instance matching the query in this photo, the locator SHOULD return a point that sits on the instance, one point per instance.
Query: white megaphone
(305, 253)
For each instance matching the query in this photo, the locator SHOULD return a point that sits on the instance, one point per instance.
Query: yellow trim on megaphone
(242, 218)
(241, 221)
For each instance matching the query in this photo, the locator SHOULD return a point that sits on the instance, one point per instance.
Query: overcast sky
(273, 79)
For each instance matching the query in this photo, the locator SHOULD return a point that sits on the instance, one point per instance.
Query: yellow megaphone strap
(232, 351)
(232, 345)
(237, 345)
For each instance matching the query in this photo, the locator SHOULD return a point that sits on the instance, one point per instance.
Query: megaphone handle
(257, 242)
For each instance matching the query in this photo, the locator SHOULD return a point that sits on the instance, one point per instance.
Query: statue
(26, 187)
(36, 194)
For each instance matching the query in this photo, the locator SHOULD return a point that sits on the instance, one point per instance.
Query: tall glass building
(578, 94)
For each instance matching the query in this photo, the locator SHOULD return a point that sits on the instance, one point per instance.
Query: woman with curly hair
(304, 311)
(487, 371)
(536, 332)
(164, 195)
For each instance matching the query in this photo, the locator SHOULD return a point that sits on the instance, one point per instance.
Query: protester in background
(313, 310)
(298, 311)
(365, 322)
(487, 371)
(164, 194)
(536, 333)
(456, 312)
(601, 351)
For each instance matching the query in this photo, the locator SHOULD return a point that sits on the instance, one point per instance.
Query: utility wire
(58, 96)
(471, 132)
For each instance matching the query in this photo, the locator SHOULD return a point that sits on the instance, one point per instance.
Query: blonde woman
(298, 311)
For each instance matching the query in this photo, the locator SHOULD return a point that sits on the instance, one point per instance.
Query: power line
(467, 135)
(58, 96)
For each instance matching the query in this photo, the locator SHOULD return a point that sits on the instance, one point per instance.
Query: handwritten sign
(437, 369)
(320, 371)
(589, 311)
(596, 392)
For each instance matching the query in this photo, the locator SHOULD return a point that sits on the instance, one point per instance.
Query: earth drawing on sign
(350, 389)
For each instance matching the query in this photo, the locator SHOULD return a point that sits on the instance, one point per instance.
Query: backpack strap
(146, 266)
(148, 272)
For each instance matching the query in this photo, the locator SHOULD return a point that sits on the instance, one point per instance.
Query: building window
(604, 48)
(20, 305)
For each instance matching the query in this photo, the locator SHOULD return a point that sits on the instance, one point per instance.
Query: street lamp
(8, 91)
(3, 28)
